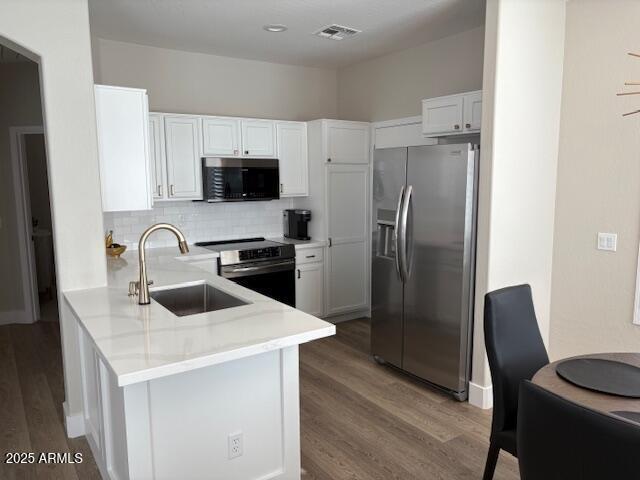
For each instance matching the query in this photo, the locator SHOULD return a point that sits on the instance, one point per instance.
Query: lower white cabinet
(123, 147)
(293, 158)
(310, 288)
(184, 165)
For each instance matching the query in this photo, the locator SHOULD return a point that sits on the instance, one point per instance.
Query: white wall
(520, 130)
(186, 82)
(20, 101)
(199, 221)
(392, 86)
(598, 182)
(57, 34)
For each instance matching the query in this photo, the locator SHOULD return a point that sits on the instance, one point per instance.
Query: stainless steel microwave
(240, 179)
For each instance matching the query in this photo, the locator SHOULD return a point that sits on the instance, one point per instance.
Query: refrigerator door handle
(404, 217)
(396, 236)
(408, 233)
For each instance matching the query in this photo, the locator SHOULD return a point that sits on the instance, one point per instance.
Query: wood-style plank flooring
(359, 420)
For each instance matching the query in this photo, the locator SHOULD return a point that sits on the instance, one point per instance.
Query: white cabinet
(347, 142)
(292, 157)
(310, 288)
(453, 114)
(123, 148)
(473, 112)
(339, 201)
(347, 255)
(221, 136)
(258, 138)
(184, 166)
(158, 158)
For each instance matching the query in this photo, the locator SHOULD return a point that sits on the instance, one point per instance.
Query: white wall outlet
(607, 241)
(235, 445)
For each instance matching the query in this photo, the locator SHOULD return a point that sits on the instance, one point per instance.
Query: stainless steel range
(262, 265)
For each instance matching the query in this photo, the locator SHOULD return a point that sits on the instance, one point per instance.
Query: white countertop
(300, 244)
(142, 342)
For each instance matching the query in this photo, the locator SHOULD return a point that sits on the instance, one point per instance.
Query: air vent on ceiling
(336, 32)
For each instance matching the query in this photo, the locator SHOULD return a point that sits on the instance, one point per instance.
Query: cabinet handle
(280, 188)
(467, 125)
(329, 242)
(298, 273)
(456, 127)
(328, 159)
(235, 152)
(159, 190)
(172, 190)
(310, 256)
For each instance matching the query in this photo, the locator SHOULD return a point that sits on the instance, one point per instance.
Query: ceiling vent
(336, 32)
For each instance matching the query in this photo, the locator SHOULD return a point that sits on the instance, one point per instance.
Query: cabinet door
(473, 112)
(346, 281)
(221, 136)
(292, 158)
(122, 120)
(258, 138)
(442, 115)
(347, 142)
(158, 158)
(184, 167)
(310, 288)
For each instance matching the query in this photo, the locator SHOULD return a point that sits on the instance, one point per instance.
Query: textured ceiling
(234, 27)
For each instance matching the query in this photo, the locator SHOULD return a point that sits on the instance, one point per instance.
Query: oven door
(240, 179)
(274, 279)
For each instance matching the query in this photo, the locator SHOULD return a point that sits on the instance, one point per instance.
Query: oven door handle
(270, 268)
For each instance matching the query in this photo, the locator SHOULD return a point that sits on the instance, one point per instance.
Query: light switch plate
(607, 241)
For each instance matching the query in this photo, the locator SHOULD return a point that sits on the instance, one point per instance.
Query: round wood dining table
(548, 379)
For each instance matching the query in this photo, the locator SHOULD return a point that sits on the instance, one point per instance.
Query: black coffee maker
(295, 223)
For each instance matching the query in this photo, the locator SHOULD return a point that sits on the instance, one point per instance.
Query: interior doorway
(27, 258)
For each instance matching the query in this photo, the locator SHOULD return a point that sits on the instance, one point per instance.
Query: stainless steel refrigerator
(424, 218)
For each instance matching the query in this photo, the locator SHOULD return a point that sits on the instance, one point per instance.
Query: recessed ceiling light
(275, 28)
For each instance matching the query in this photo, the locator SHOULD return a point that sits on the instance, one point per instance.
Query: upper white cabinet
(347, 142)
(473, 111)
(292, 157)
(122, 118)
(258, 138)
(184, 166)
(453, 114)
(158, 157)
(221, 136)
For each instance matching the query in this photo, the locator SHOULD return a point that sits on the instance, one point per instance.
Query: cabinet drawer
(309, 255)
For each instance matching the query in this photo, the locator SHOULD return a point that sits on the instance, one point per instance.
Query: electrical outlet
(607, 241)
(235, 445)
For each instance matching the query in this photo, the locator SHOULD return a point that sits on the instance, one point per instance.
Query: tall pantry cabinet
(339, 169)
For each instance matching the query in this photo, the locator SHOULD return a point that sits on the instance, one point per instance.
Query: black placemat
(633, 416)
(600, 375)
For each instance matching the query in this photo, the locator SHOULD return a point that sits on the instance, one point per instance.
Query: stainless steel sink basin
(193, 299)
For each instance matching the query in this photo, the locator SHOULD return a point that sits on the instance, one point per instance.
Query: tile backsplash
(199, 221)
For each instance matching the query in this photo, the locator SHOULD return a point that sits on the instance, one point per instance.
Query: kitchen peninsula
(207, 395)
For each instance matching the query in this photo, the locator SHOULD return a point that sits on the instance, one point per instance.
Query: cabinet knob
(467, 125)
(235, 152)
(328, 159)
(298, 273)
(456, 127)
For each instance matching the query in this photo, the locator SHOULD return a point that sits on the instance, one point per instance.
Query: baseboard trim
(14, 316)
(481, 397)
(74, 424)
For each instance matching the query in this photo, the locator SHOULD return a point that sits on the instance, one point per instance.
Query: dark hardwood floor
(359, 420)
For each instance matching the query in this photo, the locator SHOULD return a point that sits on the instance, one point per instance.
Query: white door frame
(31, 312)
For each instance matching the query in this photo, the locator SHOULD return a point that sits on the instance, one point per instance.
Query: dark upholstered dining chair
(559, 440)
(516, 352)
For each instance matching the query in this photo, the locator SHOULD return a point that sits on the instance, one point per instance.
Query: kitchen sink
(194, 299)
